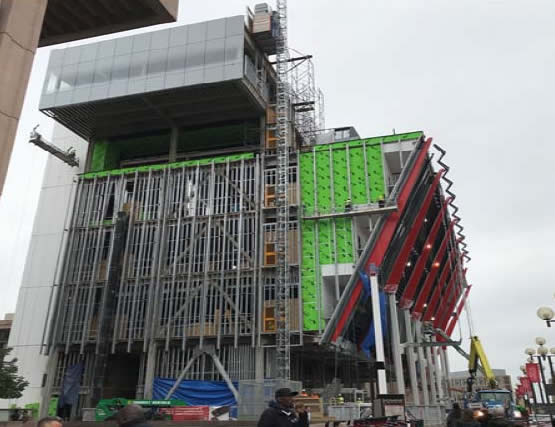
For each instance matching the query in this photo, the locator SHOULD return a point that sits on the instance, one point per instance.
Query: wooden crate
(269, 315)
(270, 195)
(270, 248)
(270, 254)
(102, 270)
(271, 139)
(271, 116)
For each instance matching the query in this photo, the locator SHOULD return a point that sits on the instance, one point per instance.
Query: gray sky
(476, 75)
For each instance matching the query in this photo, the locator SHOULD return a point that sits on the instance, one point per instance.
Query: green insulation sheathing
(330, 175)
(105, 156)
(200, 162)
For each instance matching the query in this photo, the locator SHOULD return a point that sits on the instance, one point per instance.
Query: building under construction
(215, 224)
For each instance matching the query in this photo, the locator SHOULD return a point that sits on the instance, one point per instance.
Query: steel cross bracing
(282, 132)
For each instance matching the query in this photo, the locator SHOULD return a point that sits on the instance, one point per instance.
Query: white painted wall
(56, 199)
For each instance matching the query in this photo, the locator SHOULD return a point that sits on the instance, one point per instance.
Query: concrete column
(20, 28)
(422, 364)
(431, 371)
(377, 320)
(50, 375)
(173, 145)
(439, 373)
(263, 132)
(411, 361)
(259, 364)
(150, 366)
(445, 368)
(396, 344)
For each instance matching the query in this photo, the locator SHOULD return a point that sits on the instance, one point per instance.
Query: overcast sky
(476, 75)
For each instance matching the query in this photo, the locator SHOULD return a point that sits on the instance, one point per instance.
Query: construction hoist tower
(283, 344)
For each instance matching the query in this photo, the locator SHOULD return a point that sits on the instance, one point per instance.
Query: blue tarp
(70, 386)
(365, 285)
(196, 393)
(370, 340)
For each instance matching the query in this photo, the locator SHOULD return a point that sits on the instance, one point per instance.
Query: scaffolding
(307, 100)
(283, 339)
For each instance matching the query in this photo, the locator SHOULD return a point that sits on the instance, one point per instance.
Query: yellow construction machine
(492, 402)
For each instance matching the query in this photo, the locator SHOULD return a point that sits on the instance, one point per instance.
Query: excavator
(491, 404)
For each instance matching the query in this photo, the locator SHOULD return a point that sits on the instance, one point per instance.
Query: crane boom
(477, 354)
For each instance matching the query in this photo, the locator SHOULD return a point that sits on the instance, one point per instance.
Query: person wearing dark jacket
(467, 419)
(131, 416)
(302, 413)
(280, 412)
(454, 415)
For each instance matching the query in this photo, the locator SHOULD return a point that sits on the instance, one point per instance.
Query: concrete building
(166, 249)
(5, 328)
(457, 382)
(28, 24)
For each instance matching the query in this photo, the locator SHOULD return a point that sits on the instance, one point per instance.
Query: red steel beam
(432, 274)
(441, 284)
(445, 314)
(392, 283)
(455, 319)
(439, 310)
(408, 294)
(386, 233)
(435, 309)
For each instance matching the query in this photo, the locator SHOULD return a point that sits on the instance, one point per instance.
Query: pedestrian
(280, 412)
(454, 415)
(131, 416)
(302, 413)
(467, 419)
(50, 422)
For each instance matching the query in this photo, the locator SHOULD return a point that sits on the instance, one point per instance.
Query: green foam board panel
(322, 192)
(188, 163)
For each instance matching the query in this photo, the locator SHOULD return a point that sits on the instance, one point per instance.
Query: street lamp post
(530, 352)
(523, 369)
(552, 351)
(542, 354)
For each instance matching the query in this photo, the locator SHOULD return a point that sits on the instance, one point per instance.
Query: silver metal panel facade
(40, 272)
(201, 53)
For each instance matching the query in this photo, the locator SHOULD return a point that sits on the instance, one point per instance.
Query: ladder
(283, 338)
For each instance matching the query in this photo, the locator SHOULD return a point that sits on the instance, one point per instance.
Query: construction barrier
(188, 413)
(432, 415)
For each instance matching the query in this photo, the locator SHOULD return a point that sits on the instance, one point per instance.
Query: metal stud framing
(190, 263)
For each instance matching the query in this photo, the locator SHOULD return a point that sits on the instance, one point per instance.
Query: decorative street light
(542, 354)
(547, 314)
(530, 352)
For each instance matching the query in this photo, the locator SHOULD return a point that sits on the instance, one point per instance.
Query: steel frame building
(170, 243)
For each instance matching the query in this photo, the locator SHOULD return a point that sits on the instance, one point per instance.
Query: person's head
(299, 407)
(50, 422)
(130, 414)
(284, 396)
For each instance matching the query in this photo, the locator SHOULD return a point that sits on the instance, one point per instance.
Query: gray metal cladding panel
(201, 53)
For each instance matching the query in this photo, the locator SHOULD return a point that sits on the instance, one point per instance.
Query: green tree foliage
(11, 384)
